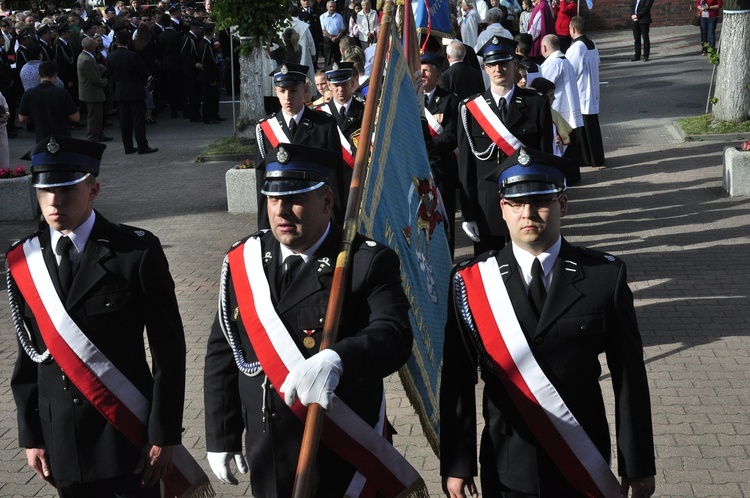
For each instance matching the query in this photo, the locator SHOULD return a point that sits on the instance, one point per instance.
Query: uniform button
(275, 416)
(538, 341)
(321, 320)
(107, 305)
(584, 328)
(77, 401)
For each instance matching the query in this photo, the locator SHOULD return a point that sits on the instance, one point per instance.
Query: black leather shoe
(211, 121)
(130, 151)
(635, 59)
(147, 150)
(645, 59)
(102, 138)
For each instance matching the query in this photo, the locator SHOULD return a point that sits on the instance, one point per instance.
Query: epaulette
(16, 243)
(131, 231)
(598, 255)
(255, 235)
(470, 98)
(358, 97)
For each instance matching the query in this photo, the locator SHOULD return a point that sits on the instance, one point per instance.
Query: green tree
(733, 77)
(257, 22)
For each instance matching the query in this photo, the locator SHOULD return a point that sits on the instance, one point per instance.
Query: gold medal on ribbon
(309, 342)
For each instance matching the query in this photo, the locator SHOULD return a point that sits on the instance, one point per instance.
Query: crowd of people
(175, 67)
(506, 123)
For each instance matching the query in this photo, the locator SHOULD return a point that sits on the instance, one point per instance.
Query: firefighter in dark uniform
(110, 281)
(299, 125)
(524, 113)
(374, 339)
(537, 336)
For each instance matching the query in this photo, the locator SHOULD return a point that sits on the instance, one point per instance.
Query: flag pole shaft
(314, 421)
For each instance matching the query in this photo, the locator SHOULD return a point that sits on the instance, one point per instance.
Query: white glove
(472, 230)
(219, 462)
(313, 380)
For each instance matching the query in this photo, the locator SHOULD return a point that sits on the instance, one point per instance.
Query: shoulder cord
(24, 336)
(259, 140)
(461, 297)
(249, 369)
(482, 156)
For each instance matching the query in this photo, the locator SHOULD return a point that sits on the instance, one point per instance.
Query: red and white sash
(103, 385)
(346, 147)
(540, 405)
(274, 132)
(432, 123)
(377, 462)
(492, 126)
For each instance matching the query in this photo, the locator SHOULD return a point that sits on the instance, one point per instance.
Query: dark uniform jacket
(130, 73)
(529, 120)
(65, 60)
(588, 310)
(169, 44)
(463, 80)
(190, 56)
(644, 10)
(374, 340)
(315, 129)
(444, 108)
(210, 73)
(122, 284)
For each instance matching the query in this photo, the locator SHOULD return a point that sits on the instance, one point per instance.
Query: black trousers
(133, 121)
(127, 486)
(210, 94)
(170, 91)
(331, 51)
(641, 31)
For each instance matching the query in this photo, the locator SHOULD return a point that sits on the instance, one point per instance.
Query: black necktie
(292, 127)
(503, 109)
(426, 100)
(537, 292)
(65, 270)
(342, 114)
(290, 265)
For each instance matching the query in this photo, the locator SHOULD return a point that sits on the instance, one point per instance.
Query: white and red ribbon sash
(343, 431)
(274, 132)
(103, 385)
(555, 427)
(346, 147)
(492, 126)
(432, 123)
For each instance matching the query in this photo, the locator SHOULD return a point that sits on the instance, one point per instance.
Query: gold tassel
(201, 489)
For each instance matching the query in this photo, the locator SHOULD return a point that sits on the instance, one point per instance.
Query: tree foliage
(258, 21)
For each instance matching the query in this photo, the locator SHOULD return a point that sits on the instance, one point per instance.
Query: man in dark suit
(191, 66)
(288, 271)
(537, 336)
(459, 77)
(84, 289)
(168, 47)
(130, 74)
(209, 76)
(524, 114)
(297, 124)
(311, 15)
(641, 17)
(441, 112)
(65, 60)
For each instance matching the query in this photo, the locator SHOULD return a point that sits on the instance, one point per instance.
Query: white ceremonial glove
(219, 462)
(314, 380)
(471, 229)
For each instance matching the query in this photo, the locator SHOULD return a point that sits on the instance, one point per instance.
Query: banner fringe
(418, 489)
(201, 489)
(412, 393)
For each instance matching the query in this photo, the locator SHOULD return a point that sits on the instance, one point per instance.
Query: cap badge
(609, 257)
(53, 147)
(139, 233)
(495, 40)
(284, 69)
(282, 155)
(335, 67)
(523, 158)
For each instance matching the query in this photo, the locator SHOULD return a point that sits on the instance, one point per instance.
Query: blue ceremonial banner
(401, 208)
(433, 17)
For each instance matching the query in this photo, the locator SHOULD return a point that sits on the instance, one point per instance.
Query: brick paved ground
(658, 204)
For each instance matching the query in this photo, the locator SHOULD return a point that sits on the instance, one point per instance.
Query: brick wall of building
(615, 14)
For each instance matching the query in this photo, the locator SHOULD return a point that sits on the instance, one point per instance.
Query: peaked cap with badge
(60, 161)
(295, 169)
(530, 172)
(340, 72)
(498, 49)
(287, 75)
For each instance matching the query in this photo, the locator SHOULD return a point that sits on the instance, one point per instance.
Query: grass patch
(706, 125)
(230, 145)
